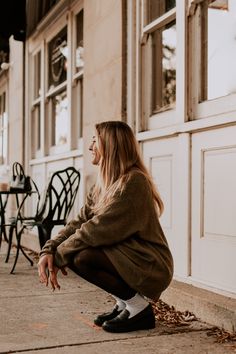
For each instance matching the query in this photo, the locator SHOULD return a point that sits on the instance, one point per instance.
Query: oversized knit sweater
(129, 233)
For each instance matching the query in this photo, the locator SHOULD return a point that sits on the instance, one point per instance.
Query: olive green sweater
(129, 233)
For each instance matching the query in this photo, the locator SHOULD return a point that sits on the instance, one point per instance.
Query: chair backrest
(60, 196)
(30, 202)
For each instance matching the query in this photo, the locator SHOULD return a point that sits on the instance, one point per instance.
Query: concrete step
(215, 309)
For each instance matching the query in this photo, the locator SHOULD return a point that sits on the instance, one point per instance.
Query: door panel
(168, 161)
(214, 208)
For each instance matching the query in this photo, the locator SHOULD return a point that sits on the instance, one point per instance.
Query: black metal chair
(54, 209)
(25, 201)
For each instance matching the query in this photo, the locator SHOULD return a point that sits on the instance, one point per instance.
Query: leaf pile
(170, 316)
(221, 335)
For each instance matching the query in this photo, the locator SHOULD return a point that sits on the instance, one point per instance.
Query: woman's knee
(82, 259)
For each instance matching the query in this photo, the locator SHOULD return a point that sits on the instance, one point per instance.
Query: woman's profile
(116, 242)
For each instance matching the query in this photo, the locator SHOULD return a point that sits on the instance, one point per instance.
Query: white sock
(136, 304)
(120, 303)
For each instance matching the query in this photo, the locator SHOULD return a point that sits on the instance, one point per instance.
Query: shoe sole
(127, 328)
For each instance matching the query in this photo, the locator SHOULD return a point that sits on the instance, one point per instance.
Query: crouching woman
(116, 242)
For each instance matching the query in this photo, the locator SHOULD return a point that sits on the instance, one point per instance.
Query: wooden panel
(219, 208)
(168, 161)
(162, 172)
(213, 208)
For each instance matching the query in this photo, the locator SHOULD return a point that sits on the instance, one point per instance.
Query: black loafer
(100, 319)
(122, 323)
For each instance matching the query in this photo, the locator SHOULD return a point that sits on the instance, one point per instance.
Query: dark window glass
(157, 8)
(164, 67)
(57, 59)
(79, 54)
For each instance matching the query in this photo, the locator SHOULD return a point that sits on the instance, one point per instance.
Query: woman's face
(94, 149)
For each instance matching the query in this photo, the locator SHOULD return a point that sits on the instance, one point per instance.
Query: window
(3, 128)
(218, 50)
(56, 90)
(212, 56)
(59, 111)
(36, 110)
(158, 57)
(164, 68)
(77, 91)
(57, 59)
(155, 9)
(57, 114)
(79, 53)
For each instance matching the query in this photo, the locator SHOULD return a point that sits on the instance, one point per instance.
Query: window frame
(77, 83)
(197, 109)
(145, 120)
(34, 103)
(47, 30)
(53, 149)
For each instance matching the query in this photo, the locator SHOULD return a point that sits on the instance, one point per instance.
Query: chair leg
(26, 256)
(0, 236)
(19, 247)
(44, 235)
(18, 238)
(9, 243)
(4, 233)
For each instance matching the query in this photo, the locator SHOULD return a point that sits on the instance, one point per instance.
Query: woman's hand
(45, 266)
(53, 277)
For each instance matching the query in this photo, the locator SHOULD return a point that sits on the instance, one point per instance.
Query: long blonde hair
(120, 155)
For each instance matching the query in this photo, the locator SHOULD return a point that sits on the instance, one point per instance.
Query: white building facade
(182, 97)
(165, 67)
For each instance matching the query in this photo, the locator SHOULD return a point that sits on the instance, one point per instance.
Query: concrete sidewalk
(36, 320)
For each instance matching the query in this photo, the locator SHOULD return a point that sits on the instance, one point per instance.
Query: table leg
(19, 247)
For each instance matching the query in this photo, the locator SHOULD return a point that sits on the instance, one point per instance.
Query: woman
(116, 242)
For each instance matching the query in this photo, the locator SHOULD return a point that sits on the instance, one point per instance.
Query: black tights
(93, 265)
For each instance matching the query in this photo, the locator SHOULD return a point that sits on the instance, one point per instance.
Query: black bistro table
(20, 197)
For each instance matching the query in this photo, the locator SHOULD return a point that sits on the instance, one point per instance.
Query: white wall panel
(219, 187)
(214, 208)
(168, 161)
(162, 171)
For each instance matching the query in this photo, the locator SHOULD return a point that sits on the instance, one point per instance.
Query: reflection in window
(157, 8)
(60, 119)
(57, 59)
(35, 108)
(3, 129)
(77, 113)
(79, 54)
(37, 75)
(164, 68)
(35, 136)
(220, 55)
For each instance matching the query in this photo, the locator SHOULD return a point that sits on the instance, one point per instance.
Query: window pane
(37, 75)
(78, 109)
(35, 129)
(57, 59)
(164, 68)
(157, 8)
(60, 119)
(221, 49)
(79, 54)
(3, 129)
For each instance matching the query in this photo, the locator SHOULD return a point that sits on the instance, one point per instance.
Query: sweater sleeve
(118, 222)
(84, 215)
